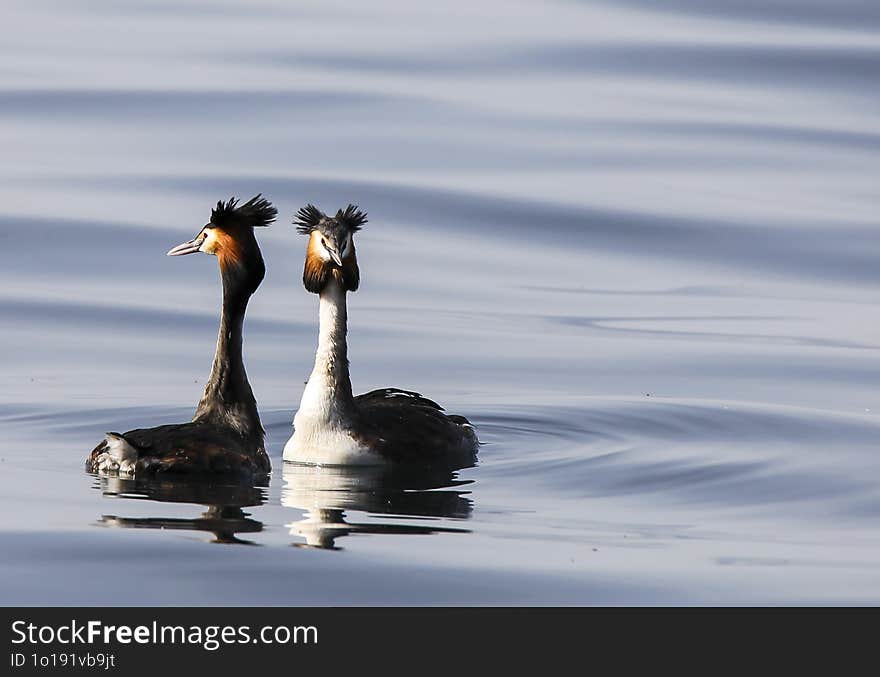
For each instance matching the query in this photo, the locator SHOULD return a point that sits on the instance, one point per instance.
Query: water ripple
(732, 456)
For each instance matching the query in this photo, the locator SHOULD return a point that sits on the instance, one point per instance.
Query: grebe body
(386, 426)
(225, 437)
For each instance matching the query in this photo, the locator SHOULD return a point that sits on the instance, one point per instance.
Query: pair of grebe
(332, 427)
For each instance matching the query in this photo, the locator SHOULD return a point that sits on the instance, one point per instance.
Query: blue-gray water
(635, 242)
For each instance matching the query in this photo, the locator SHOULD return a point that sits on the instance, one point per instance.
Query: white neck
(324, 424)
(328, 396)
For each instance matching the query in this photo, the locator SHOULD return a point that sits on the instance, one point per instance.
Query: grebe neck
(228, 398)
(328, 393)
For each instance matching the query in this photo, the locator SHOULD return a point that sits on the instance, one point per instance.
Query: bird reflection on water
(223, 517)
(402, 501)
(406, 494)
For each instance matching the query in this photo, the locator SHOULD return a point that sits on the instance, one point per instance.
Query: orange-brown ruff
(228, 247)
(225, 437)
(316, 272)
(389, 425)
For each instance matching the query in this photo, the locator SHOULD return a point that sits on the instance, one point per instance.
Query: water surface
(634, 242)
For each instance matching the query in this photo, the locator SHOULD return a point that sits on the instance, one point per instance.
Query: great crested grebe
(389, 425)
(225, 436)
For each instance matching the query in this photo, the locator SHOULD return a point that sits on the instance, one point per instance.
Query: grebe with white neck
(225, 436)
(332, 427)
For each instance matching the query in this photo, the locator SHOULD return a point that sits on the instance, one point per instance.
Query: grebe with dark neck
(332, 427)
(225, 436)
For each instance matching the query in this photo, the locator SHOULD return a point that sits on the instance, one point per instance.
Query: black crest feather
(310, 217)
(352, 218)
(307, 219)
(256, 212)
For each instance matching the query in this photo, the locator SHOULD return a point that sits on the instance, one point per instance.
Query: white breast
(314, 441)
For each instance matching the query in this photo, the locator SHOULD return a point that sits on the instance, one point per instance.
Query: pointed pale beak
(190, 247)
(336, 259)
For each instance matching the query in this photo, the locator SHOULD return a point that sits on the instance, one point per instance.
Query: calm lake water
(634, 241)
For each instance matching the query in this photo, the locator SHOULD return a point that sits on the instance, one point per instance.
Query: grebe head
(229, 236)
(331, 251)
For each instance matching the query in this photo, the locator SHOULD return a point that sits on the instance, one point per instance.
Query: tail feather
(114, 453)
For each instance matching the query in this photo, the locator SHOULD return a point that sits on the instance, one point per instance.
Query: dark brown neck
(228, 399)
